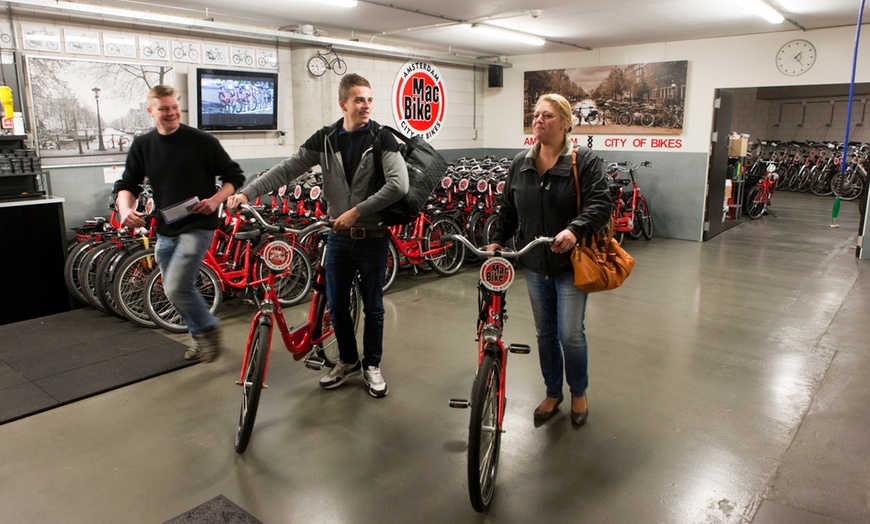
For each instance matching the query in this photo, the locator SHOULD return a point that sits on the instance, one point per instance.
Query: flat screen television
(236, 100)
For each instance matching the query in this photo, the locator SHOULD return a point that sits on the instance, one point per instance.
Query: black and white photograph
(90, 112)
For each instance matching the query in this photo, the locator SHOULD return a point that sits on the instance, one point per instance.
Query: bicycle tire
(820, 185)
(647, 120)
(252, 384)
(848, 185)
(129, 284)
(328, 348)
(392, 266)
(339, 66)
(644, 217)
(89, 275)
(293, 285)
(635, 232)
(608, 117)
(72, 266)
(484, 435)
(755, 203)
(624, 119)
(105, 273)
(161, 311)
(448, 260)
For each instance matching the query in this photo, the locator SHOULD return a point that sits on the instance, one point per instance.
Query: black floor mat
(219, 509)
(50, 361)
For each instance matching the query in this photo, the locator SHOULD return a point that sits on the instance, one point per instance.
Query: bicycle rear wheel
(643, 216)
(484, 435)
(252, 385)
(328, 348)
(72, 268)
(392, 266)
(447, 260)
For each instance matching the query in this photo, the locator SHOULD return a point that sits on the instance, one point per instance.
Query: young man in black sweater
(181, 164)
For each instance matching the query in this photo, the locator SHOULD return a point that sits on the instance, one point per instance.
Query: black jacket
(534, 205)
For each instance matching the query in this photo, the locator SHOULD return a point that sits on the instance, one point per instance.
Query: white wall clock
(796, 57)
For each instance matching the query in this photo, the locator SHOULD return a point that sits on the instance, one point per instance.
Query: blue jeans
(180, 258)
(345, 257)
(559, 309)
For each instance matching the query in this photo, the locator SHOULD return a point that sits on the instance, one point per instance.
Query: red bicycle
(313, 340)
(487, 400)
(631, 213)
(758, 198)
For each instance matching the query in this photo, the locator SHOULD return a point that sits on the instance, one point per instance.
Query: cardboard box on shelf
(738, 147)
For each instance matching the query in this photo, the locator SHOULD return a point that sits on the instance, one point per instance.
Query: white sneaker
(339, 374)
(375, 381)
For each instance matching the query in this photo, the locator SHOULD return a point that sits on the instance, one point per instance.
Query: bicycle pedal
(314, 362)
(520, 349)
(459, 403)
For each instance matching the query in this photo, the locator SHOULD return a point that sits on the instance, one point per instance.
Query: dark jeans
(346, 257)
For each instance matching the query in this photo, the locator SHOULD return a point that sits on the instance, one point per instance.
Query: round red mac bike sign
(419, 102)
(497, 274)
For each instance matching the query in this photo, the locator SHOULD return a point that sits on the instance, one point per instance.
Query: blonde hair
(562, 107)
(159, 91)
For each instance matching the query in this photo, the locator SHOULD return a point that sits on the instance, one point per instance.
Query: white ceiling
(566, 24)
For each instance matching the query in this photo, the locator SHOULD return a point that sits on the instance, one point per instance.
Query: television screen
(236, 100)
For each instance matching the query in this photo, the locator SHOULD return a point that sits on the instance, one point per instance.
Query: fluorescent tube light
(337, 3)
(507, 34)
(762, 9)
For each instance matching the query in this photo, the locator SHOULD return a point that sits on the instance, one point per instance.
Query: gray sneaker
(339, 374)
(206, 346)
(375, 381)
(193, 352)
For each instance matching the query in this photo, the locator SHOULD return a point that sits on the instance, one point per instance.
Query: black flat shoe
(578, 418)
(541, 415)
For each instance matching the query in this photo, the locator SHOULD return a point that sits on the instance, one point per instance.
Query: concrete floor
(729, 383)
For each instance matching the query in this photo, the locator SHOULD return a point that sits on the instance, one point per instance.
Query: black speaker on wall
(496, 76)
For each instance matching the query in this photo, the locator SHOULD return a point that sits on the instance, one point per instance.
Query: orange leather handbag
(600, 263)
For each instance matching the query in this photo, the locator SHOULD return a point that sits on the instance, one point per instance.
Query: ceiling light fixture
(337, 3)
(762, 9)
(507, 34)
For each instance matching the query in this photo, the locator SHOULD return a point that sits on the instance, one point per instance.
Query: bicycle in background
(758, 198)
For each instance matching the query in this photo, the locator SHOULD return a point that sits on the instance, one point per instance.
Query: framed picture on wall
(267, 58)
(214, 54)
(153, 48)
(632, 99)
(241, 56)
(183, 51)
(88, 112)
(119, 46)
(81, 42)
(37, 37)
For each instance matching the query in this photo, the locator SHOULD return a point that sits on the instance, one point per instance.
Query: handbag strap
(577, 184)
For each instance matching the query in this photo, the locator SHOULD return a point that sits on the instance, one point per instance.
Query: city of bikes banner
(633, 99)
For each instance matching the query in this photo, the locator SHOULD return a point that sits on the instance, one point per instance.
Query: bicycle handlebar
(316, 226)
(505, 254)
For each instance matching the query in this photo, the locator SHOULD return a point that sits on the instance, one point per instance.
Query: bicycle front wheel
(755, 202)
(484, 435)
(252, 385)
(163, 313)
(293, 285)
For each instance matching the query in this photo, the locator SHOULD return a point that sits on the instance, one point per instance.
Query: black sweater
(179, 166)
